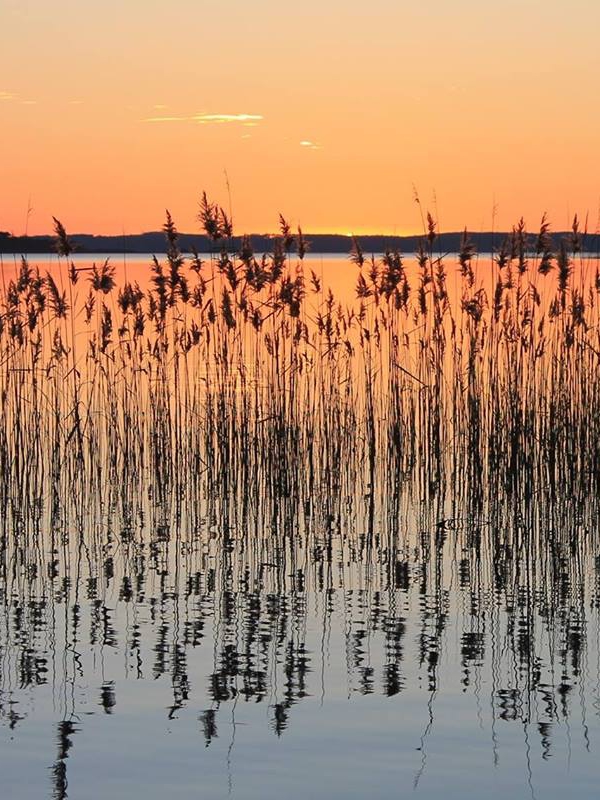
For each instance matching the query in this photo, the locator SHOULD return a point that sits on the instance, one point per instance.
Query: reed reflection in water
(320, 600)
(369, 532)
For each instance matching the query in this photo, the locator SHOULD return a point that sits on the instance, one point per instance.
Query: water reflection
(378, 594)
(262, 520)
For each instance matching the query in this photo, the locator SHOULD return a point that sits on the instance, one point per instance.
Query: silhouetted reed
(232, 443)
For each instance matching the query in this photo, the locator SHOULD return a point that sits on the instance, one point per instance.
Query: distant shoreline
(154, 242)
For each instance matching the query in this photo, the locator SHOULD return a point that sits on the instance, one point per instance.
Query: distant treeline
(154, 242)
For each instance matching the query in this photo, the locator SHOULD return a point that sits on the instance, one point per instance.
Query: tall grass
(229, 442)
(217, 370)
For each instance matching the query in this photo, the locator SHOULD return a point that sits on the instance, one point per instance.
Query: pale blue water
(354, 674)
(429, 650)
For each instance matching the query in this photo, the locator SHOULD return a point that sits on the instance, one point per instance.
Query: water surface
(365, 625)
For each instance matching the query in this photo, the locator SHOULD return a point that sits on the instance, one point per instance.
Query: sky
(332, 112)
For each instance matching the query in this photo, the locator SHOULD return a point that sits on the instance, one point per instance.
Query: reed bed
(213, 374)
(233, 445)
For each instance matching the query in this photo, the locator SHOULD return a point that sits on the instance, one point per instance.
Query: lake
(396, 592)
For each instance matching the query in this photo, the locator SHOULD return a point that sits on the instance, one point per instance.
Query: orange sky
(326, 110)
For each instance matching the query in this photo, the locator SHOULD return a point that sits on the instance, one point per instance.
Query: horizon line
(7, 235)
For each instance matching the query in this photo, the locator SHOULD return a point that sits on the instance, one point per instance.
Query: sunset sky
(329, 111)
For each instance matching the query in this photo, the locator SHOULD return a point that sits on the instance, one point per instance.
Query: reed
(230, 443)
(226, 365)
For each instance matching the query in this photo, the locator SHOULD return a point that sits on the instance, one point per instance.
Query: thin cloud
(310, 145)
(246, 118)
(167, 119)
(12, 97)
(208, 119)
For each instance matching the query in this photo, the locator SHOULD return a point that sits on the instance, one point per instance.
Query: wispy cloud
(16, 98)
(227, 118)
(167, 119)
(310, 145)
(211, 119)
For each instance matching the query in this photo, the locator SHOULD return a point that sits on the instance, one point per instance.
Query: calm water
(408, 637)
(336, 270)
(309, 655)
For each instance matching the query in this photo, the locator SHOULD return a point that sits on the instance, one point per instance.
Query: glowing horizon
(331, 118)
